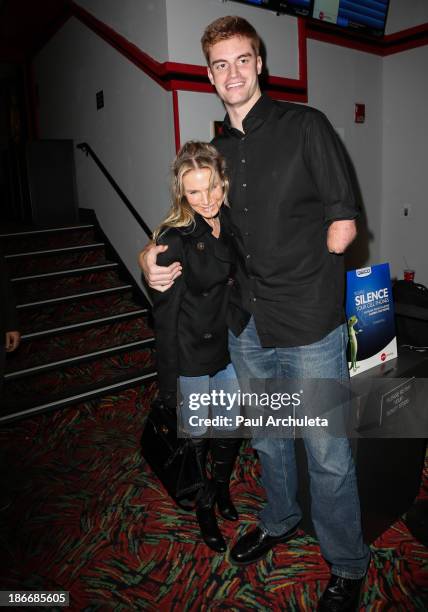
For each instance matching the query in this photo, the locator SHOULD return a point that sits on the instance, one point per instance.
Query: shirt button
(207, 336)
(244, 184)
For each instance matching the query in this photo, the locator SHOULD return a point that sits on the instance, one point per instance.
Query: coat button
(207, 336)
(200, 246)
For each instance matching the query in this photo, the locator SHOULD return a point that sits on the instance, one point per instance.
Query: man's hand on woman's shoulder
(160, 278)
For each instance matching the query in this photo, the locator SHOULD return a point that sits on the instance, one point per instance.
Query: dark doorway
(13, 136)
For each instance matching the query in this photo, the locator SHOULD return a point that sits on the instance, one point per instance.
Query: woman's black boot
(224, 453)
(205, 512)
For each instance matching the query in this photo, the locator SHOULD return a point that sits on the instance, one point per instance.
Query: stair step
(73, 297)
(55, 238)
(57, 251)
(81, 325)
(70, 360)
(76, 284)
(68, 380)
(71, 343)
(8, 415)
(61, 273)
(63, 314)
(57, 261)
(46, 230)
(84, 335)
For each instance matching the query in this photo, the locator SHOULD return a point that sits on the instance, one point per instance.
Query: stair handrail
(87, 149)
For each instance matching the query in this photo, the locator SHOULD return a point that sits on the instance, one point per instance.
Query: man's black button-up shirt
(289, 181)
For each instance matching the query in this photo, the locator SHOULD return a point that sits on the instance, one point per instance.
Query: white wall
(197, 111)
(132, 134)
(405, 162)
(171, 29)
(337, 79)
(142, 22)
(187, 20)
(403, 14)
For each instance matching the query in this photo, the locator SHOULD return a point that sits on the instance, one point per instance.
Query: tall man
(294, 206)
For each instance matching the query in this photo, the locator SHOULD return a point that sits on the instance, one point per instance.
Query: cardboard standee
(370, 318)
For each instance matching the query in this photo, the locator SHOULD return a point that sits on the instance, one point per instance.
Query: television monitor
(299, 8)
(363, 16)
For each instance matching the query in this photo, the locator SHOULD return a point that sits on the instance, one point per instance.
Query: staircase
(84, 322)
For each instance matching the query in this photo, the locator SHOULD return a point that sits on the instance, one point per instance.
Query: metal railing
(87, 149)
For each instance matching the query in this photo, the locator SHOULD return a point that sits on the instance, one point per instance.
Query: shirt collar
(255, 117)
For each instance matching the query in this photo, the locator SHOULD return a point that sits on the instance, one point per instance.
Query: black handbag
(172, 459)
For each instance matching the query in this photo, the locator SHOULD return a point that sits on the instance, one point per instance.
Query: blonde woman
(191, 319)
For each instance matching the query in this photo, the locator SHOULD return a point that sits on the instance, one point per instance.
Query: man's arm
(340, 234)
(160, 278)
(329, 168)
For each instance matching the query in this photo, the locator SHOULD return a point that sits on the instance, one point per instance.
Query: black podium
(389, 470)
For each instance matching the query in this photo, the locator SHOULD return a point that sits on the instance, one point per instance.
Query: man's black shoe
(341, 595)
(255, 545)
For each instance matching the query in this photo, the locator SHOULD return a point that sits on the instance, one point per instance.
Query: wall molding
(191, 77)
(174, 76)
(404, 40)
(176, 117)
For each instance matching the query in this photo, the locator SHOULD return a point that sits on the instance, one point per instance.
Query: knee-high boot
(224, 453)
(205, 501)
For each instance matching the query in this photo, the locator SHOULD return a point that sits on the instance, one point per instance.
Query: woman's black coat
(191, 317)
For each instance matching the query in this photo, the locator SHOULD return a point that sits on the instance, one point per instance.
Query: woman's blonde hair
(193, 155)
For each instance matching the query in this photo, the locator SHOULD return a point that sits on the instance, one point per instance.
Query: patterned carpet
(80, 511)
